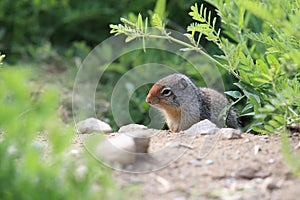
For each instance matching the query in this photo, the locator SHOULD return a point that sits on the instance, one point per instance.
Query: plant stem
(186, 45)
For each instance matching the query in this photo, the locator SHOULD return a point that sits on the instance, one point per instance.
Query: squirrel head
(164, 93)
(174, 95)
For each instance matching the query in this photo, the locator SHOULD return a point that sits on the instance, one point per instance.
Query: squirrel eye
(166, 92)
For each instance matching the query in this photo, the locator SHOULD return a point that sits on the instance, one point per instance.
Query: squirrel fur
(184, 104)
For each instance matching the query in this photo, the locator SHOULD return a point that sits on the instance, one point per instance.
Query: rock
(251, 172)
(209, 162)
(229, 133)
(271, 161)
(141, 139)
(204, 127)
(294, 127)
(246, 140)
(296, 134)
(124, 148)
(131, 128)
(195, 162)
(256, 149)
(177, 144)
(92, 125)
(117, 150)
(165, 185)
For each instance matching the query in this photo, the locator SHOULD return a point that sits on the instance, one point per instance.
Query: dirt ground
(251, 167)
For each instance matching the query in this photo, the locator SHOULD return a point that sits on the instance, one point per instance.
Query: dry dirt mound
(251, 167)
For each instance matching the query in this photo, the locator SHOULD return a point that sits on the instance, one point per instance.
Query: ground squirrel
(184, 104)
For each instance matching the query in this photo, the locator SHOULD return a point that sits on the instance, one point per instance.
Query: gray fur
(197, 103)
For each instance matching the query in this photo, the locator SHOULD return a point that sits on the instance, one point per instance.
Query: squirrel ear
(182, 83)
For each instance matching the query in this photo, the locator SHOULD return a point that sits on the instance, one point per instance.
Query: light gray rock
(117, 150)
(229, 133)
(92, 125)
(131, 128)
(141, 140)
(209, 162)
(256, 149)
(204, 127)
(124, 148)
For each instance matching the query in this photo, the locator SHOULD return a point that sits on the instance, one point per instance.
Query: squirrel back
(184, 104)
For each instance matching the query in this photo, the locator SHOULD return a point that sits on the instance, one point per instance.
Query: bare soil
(251, 167)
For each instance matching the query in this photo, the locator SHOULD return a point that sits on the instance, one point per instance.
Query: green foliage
(289, 155)
(58, 23)
(259, 41)
(34, 163)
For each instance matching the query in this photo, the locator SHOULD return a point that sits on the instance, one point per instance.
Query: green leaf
(160, 8)
(140, 22)
(279, 118)
(262, 67)
(247, 114)
(261, 80)
(268, 109)
(241, 19)
(156, 21)
(255, 101)
(234, 94)
(273, 62)
(196, 16)
(269, 128)
(275, 123)
(267, 77)
(247, 107)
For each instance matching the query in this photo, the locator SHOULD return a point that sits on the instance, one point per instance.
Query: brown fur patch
(154, 94)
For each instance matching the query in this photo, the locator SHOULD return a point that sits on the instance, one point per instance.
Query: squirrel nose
(151, 100)
(148, 99)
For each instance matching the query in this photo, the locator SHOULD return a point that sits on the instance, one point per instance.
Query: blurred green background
(55, 36)
(30, 29)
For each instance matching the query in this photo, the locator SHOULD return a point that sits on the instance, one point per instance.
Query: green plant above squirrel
(184, 104)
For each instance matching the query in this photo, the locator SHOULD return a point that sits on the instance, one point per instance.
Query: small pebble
(258, 180)
(179, 198)
(271, 161)
(296, 134)
(246, 140)
(256, 149)
(195, 162)
(229, 133)
(209, 162)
